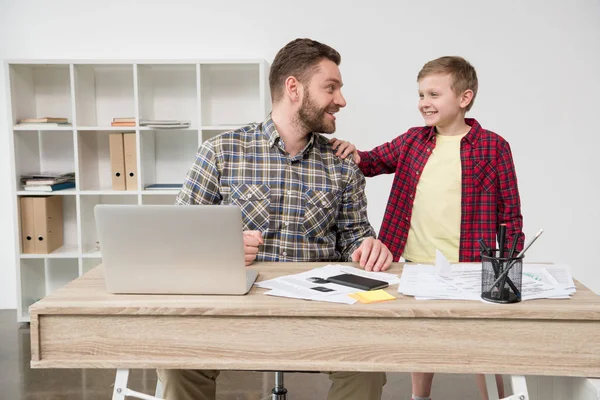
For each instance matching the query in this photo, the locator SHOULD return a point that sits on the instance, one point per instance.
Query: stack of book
(164, 186)
(45, 122)
(123, 121)
(48, 181)
(165, 123)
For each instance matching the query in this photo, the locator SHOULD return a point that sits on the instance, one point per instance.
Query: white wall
(537, 62)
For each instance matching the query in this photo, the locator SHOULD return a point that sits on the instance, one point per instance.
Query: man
(299, 201)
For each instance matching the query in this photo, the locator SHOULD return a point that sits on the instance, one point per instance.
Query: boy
(454, 182)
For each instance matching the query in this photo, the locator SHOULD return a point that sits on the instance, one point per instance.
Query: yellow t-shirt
(435, 221)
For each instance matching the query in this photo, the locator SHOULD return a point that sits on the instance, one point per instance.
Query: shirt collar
(471, 137)
(270, 131)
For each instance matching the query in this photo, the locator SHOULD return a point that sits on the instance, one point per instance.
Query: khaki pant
(184, 384)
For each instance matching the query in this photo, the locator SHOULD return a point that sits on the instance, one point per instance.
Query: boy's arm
(352, 222)
(509, 202)
(382, 159)
(201, 185)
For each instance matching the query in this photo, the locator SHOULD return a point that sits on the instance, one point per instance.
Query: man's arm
(356, 237)
(509, 202)
(201, 185)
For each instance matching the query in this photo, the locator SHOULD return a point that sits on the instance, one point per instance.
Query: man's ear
(466, 98)
(293, 89)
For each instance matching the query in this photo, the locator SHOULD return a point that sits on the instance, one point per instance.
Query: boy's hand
(252, 240)
(344, 148)
(373, 255)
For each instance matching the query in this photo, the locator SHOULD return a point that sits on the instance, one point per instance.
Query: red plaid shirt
(490, 195)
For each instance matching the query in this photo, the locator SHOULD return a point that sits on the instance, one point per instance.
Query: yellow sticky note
(372, 296)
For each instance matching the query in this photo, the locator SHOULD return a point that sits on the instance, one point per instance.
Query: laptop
(173, 249)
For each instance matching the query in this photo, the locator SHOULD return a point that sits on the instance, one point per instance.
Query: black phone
(359, 282)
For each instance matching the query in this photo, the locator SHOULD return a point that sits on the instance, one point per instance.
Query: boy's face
(438, 103)
(322, 98)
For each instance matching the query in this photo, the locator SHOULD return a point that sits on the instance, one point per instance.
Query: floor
(19, 382)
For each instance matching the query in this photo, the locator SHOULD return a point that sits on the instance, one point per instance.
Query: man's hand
(373, 255)
(252, 239)
(343, 149)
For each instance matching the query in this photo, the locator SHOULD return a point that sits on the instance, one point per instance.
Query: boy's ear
(293, 89)
(465, 98)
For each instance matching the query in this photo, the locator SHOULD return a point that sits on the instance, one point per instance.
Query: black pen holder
(497, 285)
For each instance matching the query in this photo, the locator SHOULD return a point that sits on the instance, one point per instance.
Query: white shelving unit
(214, 95)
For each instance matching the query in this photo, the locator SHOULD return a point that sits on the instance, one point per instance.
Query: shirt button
(289, 192)
(284, 254)
(411, 196)
(286, 223)
(417, 172)
(406, 218)
(428, 150)
(248, 197)
(323, 203)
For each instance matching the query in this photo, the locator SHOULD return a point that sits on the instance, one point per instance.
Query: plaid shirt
(489, 187)
(310, 207)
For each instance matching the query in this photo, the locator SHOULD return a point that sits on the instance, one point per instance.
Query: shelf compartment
(33, 284)
(94, 161)
(230, 94)
(40, 91)
(89, 263)
(168, 92)
(167, 155)
(70, 246)
(103, 92)
(59, 272)
(43, 151)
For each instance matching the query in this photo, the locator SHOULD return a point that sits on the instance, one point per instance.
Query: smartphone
(359, 282)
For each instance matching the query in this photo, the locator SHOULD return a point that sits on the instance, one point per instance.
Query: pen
(484, 247)
(503, 274)
(514, 245)
(501, 239)
(488, 252)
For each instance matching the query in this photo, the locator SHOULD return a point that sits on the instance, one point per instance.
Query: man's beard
(313, 118)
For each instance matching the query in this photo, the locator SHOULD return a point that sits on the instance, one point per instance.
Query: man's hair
(462, 73)
(298, 58)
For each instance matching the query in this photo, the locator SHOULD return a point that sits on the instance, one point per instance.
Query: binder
(41, 224)
(129, 144)
(117, 160)
(27, 225)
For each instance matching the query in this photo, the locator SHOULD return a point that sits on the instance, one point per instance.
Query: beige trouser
(187, 384)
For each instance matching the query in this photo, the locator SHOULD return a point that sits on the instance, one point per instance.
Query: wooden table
(82, 326)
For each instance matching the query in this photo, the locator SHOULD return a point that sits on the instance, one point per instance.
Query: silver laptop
(173, 249)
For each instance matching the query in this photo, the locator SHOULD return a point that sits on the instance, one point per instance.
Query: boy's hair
(462, 72)
(298, 58)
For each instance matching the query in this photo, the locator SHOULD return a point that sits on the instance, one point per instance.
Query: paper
(539, 281)
(442, 266)
(312, 285)
(372, 296)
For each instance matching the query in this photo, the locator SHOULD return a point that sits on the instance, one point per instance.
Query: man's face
(322, 99)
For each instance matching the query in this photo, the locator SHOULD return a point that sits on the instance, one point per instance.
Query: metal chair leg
(279, 392)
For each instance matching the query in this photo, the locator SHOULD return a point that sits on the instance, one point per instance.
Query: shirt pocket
(320, 211)
(485, 176)
(254, 201)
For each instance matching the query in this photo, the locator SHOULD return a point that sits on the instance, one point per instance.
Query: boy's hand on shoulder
(343, 149)
(373, 255)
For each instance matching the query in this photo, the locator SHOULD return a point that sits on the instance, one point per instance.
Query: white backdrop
(537, 63)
